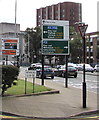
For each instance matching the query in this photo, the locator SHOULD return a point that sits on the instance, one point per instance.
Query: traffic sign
(82, 29)
(30, 74)
(53, 32)
(53, 47)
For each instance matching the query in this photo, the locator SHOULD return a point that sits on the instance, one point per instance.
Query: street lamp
(82, 28)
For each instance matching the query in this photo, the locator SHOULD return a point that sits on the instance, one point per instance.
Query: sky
(26, 12)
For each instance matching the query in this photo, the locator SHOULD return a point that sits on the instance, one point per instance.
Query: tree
(33, 37)
(76, 48)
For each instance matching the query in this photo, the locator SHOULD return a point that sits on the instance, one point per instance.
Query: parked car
(96, 68)
(48, 72)
(88, 68)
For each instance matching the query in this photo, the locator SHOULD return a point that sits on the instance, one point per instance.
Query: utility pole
(15, 18)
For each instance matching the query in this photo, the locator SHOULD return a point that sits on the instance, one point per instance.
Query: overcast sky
(26, 12)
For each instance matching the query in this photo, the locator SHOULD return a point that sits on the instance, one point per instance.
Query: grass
(20, 88)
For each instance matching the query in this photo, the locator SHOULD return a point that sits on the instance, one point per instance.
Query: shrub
(9, 75)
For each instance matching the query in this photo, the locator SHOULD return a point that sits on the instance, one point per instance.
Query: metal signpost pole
(82, 29)
(25, 81)
(66, 74)
(42, 76)
(33, 83)
(84, 82)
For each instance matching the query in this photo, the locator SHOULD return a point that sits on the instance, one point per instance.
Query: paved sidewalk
(67, 103)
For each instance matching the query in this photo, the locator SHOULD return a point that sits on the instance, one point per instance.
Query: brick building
(92, 48)
(69, 11)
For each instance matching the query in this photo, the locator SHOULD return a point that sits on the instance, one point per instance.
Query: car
(96, 68)
(34, 66)
(48, 72)
(88, 68)
(74, 65)
(72, 71)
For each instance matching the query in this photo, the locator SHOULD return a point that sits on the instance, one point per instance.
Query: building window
(63, 10)
(63, 16)
(91, 39)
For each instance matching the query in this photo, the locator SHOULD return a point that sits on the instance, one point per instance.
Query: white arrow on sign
(65, 47)
(82, 29)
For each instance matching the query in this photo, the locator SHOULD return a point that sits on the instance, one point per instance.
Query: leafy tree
(9, 75)
(76, 48)
(33, 37)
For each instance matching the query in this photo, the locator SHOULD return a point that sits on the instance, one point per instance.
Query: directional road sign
(53, 32)
(50, 47)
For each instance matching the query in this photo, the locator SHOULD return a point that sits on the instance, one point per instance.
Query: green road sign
(50, 47)
(53, 32)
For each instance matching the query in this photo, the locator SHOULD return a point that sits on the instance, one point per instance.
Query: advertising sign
(10, 46)
(50, 47)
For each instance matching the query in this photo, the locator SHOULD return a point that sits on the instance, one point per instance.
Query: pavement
(66, 103)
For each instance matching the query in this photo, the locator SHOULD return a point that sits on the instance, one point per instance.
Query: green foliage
(76, 49)
(9, 74)
(33, 39)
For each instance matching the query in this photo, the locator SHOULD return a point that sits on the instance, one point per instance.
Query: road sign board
(53, 47)
(55, 30)
(10, 46)
(82, 29)
(30, 74)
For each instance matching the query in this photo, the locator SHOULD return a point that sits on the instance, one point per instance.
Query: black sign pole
(25, 84)
(82, 29)
(84, 82)
(42, 76)
(66, 74)
(33, 83)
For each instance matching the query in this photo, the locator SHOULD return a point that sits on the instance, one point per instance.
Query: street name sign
(54, 47)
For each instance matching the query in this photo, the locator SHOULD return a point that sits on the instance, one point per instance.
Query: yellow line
(2, 116)
(94, 117)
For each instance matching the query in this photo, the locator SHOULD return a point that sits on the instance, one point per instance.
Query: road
(92, 82)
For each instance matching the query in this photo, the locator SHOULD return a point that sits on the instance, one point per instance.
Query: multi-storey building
(70, 11)
(7, 30)
(92, 48)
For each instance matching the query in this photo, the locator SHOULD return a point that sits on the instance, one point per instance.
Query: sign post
(30, 74)
(82, 29)
(55, 39)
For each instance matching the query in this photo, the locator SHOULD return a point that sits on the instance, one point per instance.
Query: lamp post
(82, 28)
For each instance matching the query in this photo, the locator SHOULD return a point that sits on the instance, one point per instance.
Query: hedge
(9, 75)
